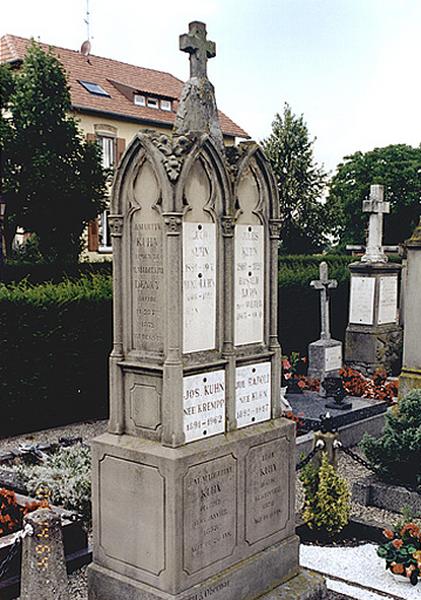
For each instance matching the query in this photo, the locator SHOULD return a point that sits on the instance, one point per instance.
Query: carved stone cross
(376, 207)
(199, 48)
(324, 284)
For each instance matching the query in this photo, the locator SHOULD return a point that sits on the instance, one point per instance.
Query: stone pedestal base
(368, 348)
(409, 379)
(214, 518)
(324, 358)
(247, 580)
(307, 585)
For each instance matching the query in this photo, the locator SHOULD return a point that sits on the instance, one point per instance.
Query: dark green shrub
(54, 347)
(396, 455)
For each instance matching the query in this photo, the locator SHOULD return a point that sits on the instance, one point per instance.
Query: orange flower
(388, 533)
(412, 529)
(397, 568)
(397, 544)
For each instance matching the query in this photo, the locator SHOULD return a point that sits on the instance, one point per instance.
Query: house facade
(112, 101)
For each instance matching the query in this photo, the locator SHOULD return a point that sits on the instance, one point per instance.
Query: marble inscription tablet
(199, 286)
(267, 499)
(252, 394)
(210, 512)
(147, 283)
(204, 405)
(249, 284)
(362, 300)
(333, 358)
(388, 300)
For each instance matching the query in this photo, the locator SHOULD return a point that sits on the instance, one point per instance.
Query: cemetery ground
(367, 579)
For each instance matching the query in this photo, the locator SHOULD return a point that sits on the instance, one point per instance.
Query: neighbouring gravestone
(193, 485)
(373, 336)
(324, 355)
(43, 574)
(410, 376)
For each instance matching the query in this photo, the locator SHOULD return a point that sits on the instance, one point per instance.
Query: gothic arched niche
(199, 259)
(249, 259)
(146, 262)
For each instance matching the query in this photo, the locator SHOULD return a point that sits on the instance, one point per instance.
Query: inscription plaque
(199, 286)
(388, 300)
(249, 284)
(210, 512)
(362, 300)
(147, 269)
(333, 358)
(252, 394)
(204, 405)
(266, 494)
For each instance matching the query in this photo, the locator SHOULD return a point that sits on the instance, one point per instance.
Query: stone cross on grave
(199, 48)
(376, 207)
(324, 284)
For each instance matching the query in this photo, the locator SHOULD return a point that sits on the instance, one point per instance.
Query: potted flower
(292, 368)
(402, 551)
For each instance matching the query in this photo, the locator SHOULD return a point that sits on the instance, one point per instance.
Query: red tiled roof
(103, 71)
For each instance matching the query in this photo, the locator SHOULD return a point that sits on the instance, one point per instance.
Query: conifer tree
(301, 183)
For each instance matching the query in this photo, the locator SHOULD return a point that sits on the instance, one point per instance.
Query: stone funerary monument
(193, 485)
(373, 336)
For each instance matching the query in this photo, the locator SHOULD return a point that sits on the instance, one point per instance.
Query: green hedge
(54, 346)
(56, 337)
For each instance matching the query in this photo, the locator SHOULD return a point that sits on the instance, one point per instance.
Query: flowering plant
(402, 551)
(11, 513)
(377, 387)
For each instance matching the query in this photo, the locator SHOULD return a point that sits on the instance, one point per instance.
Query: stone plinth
(44, 575)
(216, 515)
(373, 337)
(410, 377)
(325, 358)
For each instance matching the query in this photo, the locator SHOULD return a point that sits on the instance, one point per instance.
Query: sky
(351, 67)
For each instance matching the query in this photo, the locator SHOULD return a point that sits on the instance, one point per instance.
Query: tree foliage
(301, 183)
(53, 179)
(398, 168)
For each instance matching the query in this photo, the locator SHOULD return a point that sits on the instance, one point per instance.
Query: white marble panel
(388, 299)
(362, 300)
(249, 284)
(252, 394)
(204, 405)
(333, 358)
(199, 287)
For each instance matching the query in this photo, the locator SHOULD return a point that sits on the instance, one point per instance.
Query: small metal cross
(376, 207)
(324, 284)
(199, 48)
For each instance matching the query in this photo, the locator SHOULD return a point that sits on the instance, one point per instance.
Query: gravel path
(78, 582)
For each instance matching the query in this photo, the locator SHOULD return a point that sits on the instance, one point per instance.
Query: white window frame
(139, 100)
(104, 244)
(165, 105)
(108, 144)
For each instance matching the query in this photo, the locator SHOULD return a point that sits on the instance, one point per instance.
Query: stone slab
(324, 358)
(361, 308)
(198, 509)
(388, 300)
(371, 492)
(310, 405)
(252, 394)
(307, 585)
(204, 405)
(245, 581)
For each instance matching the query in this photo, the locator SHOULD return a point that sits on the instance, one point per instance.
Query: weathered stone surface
(410, 377)
(372, 492)
(43, 574)
(372, 343)
(196, 510)
(307, 585)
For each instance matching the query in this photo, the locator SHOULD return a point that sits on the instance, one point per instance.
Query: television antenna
(86, 46)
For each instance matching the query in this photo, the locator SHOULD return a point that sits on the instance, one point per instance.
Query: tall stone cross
(199, 48)
(324, 284)
(376, 207)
